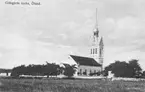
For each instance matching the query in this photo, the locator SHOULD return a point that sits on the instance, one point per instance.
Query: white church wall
(88, 69)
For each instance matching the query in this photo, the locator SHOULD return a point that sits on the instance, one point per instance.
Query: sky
(33, 34)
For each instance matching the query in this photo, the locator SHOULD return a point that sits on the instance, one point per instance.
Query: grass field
(67, 85)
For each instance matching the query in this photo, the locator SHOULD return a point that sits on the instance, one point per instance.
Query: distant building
(110, 75)
(5, 72)
(93, 64)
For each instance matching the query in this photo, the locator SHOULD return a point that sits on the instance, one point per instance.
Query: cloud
(71, 25)
(125, 30)
(86, 13)
(1, 55)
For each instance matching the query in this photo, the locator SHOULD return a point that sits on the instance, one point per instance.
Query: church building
(92, 65)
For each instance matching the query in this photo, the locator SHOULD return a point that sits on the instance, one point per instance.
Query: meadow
(69, 85)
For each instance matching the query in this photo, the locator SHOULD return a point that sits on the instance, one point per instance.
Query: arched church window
(94, 71)
(80, 71)
(90, 71)
(85, 70)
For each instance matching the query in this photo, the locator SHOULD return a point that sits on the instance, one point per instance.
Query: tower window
(91, 51)
(100, 52)
(96, 50)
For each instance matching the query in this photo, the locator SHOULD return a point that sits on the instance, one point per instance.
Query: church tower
(97, 44)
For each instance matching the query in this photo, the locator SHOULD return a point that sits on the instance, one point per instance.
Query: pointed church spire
(97, 48)
(96, 31)
(96, 20)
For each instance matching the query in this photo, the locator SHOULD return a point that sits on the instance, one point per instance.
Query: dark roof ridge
(82, 56)
(85, 60)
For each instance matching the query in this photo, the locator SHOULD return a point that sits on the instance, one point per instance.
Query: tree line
(48, 69)
(129, 69)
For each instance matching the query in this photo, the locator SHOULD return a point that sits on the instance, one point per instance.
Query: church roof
(85, 61)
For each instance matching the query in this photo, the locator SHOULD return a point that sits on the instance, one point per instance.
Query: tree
(51, 69)
(84, 73)
(36, 70)
(135, 67)
(123, 69)
(120, 69)
(105, 72)
(16, 71)
(69, 70)
(143, 74)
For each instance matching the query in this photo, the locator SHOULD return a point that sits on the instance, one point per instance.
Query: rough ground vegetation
(70, 85)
